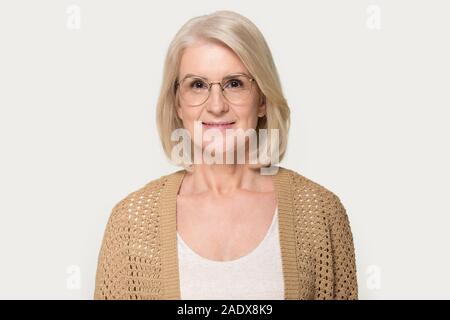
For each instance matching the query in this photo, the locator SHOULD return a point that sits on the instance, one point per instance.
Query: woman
(217, 230)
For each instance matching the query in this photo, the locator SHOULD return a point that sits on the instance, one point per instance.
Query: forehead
(210, 60)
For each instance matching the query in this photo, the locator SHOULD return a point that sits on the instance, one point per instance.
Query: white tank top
(257, 275)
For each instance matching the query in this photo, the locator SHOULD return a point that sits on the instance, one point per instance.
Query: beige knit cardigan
(138, 257)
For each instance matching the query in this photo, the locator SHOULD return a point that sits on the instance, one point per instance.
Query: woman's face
(214, 61)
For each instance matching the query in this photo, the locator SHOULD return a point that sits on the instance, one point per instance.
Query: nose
(216, 102)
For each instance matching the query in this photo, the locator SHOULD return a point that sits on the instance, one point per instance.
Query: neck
(225, 179)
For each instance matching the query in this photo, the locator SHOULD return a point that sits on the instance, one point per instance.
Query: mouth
(218, 125)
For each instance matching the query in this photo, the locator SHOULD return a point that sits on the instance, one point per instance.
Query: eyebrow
(231, 75)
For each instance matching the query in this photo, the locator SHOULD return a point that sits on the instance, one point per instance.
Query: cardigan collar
(168, 234)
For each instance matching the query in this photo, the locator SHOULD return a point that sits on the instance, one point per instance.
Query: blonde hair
(244, 38)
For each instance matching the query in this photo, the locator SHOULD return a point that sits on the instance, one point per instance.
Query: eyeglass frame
(210, 84)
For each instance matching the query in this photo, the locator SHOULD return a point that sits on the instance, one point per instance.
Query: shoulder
(302, 185)
(313, 197)
(142, 200)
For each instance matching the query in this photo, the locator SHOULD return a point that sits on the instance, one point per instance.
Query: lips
(220, 125)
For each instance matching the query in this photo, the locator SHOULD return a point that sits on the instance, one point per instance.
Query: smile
(219, 125)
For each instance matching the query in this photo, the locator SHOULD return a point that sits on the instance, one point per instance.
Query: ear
(179, 112)
(262, 106)
(178, 108)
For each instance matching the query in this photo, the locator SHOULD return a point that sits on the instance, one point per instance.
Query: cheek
(248, 118)
(188, 115)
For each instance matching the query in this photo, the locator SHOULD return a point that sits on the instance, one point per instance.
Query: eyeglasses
(195, 90)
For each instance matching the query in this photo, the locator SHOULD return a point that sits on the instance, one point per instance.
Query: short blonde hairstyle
(244, 38)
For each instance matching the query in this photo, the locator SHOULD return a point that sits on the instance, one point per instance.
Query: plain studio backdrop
(367, 83)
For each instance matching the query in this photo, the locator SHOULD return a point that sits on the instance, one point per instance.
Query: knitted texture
(138, 257)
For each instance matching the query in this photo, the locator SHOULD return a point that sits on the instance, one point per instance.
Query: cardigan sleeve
(345, 285)
(107, 279)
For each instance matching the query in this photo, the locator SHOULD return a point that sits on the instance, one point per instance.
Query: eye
(234, 83)
(198, 84)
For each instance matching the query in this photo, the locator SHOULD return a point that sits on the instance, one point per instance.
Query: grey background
(370, 109)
